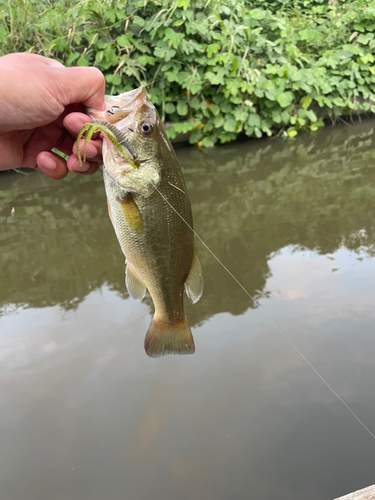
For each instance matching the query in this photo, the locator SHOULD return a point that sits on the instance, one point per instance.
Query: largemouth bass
(151, 214)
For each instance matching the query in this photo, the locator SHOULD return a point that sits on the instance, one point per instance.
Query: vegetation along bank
(214, 68)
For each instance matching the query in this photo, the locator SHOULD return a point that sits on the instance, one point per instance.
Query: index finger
(82, 84)
(73, 122)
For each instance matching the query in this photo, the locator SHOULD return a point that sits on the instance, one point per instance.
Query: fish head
(133, 114)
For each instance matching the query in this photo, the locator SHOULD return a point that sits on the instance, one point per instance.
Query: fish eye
(145, 128)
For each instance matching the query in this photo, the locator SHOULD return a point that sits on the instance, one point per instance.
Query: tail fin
(168, 338)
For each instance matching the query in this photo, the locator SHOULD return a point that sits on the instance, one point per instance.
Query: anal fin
(194, 282)
(135, 286)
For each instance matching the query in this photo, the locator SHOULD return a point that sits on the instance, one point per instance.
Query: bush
(215, 68)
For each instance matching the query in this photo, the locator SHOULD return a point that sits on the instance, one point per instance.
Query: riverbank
(351, 118)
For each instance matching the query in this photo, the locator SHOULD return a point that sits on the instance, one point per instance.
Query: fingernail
(48, 164)
(82, 168)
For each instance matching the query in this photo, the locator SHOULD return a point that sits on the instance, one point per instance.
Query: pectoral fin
(131, 213)
(194, 282)
(134, 285)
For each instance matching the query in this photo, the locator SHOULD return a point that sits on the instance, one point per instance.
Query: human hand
(41, 108)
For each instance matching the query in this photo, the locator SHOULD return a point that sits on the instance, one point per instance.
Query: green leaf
(227, 137)
(212, 49)
(114, 79)
(182, 108)
(257, 14)
(215, 79)
(146, 60)
(285, 116)
(124, 40)
(170, 54)
(305, 102)
(311, 115)
(285, 99)
(164, 53)
(258, 132)
(173, 37)
(367, 58)
(75, 56)
(83, 61)
(195, 88)
(208, 142)
(311, 36)
(170, 108)
(230, 124)
(338, 102)
(138, 21)
(276, 117)
(171, 76)
(182, 77)
(364, 39)
(219, 121)
(214, 108)
(183, 4)
(110, 14)
(195, 136)
(292, 132)
(254, 120)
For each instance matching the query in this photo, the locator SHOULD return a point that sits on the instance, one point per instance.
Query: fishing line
(258, 305)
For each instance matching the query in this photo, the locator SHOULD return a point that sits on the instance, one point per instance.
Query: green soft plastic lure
(115, 135)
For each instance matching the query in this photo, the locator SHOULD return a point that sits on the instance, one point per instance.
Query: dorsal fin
(194, 282)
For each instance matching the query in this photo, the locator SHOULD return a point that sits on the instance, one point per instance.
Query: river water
(86, 415)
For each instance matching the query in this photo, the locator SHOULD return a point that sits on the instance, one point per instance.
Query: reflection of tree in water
(316, 193)
(249, 200)
(59, 245)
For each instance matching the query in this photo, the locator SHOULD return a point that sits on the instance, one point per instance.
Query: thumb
(82, 85)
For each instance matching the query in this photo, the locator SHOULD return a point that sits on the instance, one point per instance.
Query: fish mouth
(126, 100)
(120, 106)
(115, 163)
